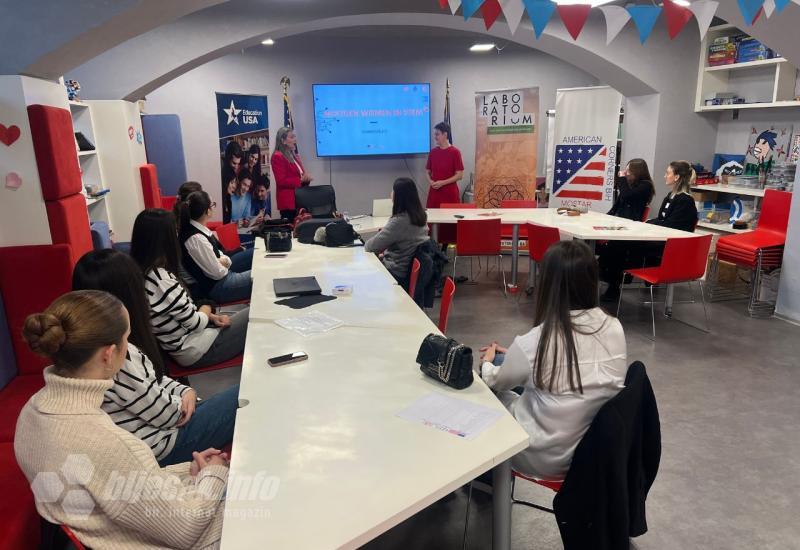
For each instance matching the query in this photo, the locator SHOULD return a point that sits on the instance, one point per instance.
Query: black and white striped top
(180, 328)
(138, 403)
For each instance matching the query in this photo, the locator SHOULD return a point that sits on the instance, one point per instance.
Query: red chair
(554, 486)
(761, 249)
(177, 371)
(412, 280)
(646, 214)
(150, 190)
(447, 300)
(507, 230)
(684, 260)
(72, 538)
(540, 239)
(446, 233)
(479, 238)
(228, 235)
(168, 202)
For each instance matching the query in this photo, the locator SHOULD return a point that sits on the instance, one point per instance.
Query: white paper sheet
(452, 415)
(313, 322)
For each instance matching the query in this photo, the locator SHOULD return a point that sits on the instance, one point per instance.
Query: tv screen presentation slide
(372, 119)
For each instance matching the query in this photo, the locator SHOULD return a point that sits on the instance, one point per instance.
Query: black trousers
(617, 256)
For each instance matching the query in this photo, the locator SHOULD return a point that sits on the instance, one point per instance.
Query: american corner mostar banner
(586, 130)
(243, 125)
(506, 145)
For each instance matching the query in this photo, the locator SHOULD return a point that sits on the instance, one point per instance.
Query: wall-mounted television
(372, 119)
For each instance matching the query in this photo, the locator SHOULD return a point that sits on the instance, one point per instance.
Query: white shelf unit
(731, 189)
(91, 173)
(721, 227)
(765, 84)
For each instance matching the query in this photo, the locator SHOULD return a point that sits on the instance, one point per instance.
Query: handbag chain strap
(446, 368)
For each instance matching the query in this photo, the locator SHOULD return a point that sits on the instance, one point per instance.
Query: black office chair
(317, 200)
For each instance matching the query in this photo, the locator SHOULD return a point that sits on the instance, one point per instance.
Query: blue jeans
(499, 357)
(211, 425)
(242, 261)
(234, 287)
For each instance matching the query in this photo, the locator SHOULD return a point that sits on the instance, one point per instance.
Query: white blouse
(557, 421)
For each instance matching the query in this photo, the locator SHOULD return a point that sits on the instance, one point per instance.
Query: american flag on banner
(580, 171)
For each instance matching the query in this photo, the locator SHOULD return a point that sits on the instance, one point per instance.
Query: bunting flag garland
(454, 4)
(469, 7)
(760, 11)
(442, 4)
(677, 17)
(704, 11)
(574, 17)
(513, 10)
(768, 7)
(616, 19)
(780, 4)
(750, 10)
(539, 12)
(644, 17)
(490, 9)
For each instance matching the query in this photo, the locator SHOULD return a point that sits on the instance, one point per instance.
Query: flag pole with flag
(288, 122)
(447, 111)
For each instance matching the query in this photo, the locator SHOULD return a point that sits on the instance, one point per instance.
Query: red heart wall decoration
(9, 135)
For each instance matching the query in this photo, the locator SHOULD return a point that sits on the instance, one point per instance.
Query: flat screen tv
(372, 119)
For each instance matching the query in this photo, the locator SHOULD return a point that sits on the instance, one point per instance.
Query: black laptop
(296, 286)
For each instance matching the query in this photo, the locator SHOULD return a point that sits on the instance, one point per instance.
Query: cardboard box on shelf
(704, 196)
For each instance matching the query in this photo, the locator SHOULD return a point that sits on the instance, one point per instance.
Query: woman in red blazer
(288, 172)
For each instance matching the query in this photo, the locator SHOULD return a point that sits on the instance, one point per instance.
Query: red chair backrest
(150, 189)
(775, 211)
(684, 259)
(228, 236)
(447, 299)
(517, 204)
(458, 205)
(540, 238)
(478, 237)
(168, 202)
(646, 214)
(412, 281)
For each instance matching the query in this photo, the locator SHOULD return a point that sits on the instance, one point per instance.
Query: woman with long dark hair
(635, 191)
(193, 336)
(144, 400)
(570, 364)
(204, 257)
(404, 231)
(677, 211)
(84, 335)
(288, 171)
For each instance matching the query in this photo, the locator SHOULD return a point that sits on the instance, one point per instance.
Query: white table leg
(668, 300)
(501, 506)
(435, 232)
(514, 255)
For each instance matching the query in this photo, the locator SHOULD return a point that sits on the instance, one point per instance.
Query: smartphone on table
(287, 359)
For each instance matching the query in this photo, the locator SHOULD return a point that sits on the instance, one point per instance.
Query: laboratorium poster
(506, 145)
(244, 158)
(585, 156)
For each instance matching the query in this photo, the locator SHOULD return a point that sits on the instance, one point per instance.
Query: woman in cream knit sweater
(116, 495)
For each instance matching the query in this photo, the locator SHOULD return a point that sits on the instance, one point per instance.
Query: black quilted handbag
(278, 241)
(446, 360)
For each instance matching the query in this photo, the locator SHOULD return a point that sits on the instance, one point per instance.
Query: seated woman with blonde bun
(85, 334)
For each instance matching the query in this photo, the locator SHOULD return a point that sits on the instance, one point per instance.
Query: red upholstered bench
(20, 524)
(150, 189)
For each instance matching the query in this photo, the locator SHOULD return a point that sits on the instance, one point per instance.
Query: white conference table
(347, 467)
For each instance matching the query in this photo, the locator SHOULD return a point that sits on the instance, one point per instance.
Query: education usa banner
(506, 145)
(244, 158)
(585, 142)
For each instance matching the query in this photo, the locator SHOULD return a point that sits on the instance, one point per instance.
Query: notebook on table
(296, 286)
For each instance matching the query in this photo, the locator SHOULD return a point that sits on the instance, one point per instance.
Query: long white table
(346, 468)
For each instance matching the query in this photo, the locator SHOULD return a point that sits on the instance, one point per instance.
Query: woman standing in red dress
(288, 172)
(444, 168)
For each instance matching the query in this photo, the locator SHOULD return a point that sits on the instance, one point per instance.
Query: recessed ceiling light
(268, 42)
(481, 47)
(682, 2)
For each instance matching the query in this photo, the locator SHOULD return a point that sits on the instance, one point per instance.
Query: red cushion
(12, 398)
(69, 224)
(167, 202)
(228, 235)
(56, 157)
(176, 371)
(19, 521)
(752, 240)
(31, 277)
(150, 190)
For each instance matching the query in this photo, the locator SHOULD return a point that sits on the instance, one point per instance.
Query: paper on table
(449, 414)
(313, 322)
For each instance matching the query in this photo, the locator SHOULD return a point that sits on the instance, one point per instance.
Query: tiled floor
(729, 403)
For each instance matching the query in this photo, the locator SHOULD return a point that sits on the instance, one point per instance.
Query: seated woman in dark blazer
(677, 211)
(635, 189)
(288, 171)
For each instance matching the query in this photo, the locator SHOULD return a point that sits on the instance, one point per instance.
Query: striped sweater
(181, 329)
(143, 406)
